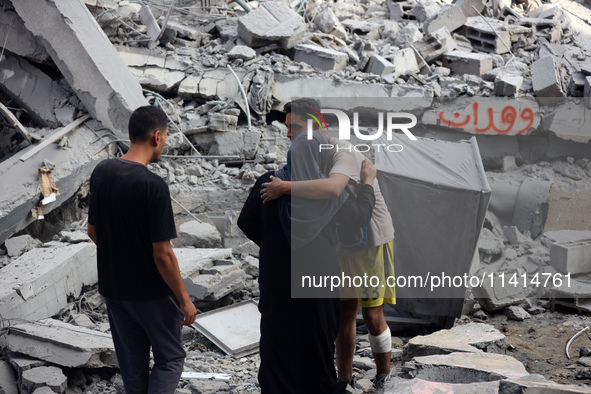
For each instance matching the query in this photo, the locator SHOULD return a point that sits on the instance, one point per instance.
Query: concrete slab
(272, 21)
(72, 168)
(217, 84)
(63, 344)
(7, 379)
(18, 39)
(535, 384)
(450, 17)
(200, 235)
(86, 58)
(16, 246)
(37, 284)
(471, 338)
(464, 367)
(32, 89)
(569, 120)
(495, 294)
(140, 57)
(158, 79)
(321, 58)
(50, 377)
(419, 386)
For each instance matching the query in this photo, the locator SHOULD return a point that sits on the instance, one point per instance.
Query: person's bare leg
(376, 324)
(345, 342)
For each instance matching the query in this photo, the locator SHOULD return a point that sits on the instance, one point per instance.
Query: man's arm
(315, 189)
(168, 267)
(92, 232)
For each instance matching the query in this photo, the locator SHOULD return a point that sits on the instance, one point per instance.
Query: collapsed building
(72, 73)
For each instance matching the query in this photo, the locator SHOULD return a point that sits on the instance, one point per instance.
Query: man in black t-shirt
(130, 219)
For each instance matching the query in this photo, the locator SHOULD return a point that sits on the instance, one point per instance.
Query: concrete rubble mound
(516, 75)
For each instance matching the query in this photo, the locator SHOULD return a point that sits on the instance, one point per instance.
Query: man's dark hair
(144, 121)
(301, 106)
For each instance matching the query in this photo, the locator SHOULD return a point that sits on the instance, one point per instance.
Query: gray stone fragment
(408, 34)
(576, 85)
(545, 78)
(507, 84)
(468, 6)
(20, 40)
(43, 390)
(63, 344)
(16, 246)
(425, 10)
(515, 312)
(416, 385)
(495, 293)
(531, 206)
(513, 235)
(488, 243)
(79, 48)
(379, 66)
(7, 379)
(242, 52)
(74, 237)
(321, 58)
(158, 79)
(461, 62)
(326, 20)
(200, 235)
(272, 21)
(363, 363)
(472, 337)
(464, 367)
(534, 384)
(51, 377)
(32, 89)
(450, 17)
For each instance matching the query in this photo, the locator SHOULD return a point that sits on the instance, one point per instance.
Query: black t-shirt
(130, 208)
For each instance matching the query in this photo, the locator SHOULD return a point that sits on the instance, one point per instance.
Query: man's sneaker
(379, 382)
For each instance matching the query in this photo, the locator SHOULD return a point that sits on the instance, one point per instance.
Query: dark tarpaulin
(437, 195)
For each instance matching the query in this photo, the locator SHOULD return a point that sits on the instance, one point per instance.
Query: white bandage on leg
(381, 343)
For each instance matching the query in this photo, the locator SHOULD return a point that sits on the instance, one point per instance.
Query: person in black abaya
(296, 237)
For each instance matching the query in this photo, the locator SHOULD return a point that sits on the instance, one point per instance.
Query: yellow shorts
(372, 272)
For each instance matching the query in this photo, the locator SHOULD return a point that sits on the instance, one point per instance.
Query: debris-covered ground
(222, 71)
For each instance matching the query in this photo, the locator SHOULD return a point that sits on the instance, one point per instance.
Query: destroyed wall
(222, 75)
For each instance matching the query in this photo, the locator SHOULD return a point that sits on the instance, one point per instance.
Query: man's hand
(189, 312)
(368, 172)
(273, 190)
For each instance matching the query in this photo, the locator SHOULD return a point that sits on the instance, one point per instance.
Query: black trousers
(137, 326)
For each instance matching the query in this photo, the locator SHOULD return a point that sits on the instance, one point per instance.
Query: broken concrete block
(242, 52)
(326, 20)
(507, 84)
(517, 313)
(396, 11)
(16, 246)
(433, 46)
(468, 6)
(321, 58)
(21, 362)
(487, 35)
(380, 66)
(272, 21)
(158, 79)
(74, 237)
(7, 379)
(545, 78)
(495, 294)
(86, 58)
(409, 34)
(200, 235)
(533, 384)
(62, 344)
(425, 10)
(251, 266)
(416, 385)
(531, 206)
(576, 85)
(43, 390)
(513, 235)
(222, 122)
(572, 257)
(32, 89)
(141, 57)
(464, 367)
(461, 62)
(21, 42)
(368, 29)
(472, 338)
(37, 284)
(216, 84)
(405, 60)
(547, 28)
(450, 17)
(51, 377)
(488, 243)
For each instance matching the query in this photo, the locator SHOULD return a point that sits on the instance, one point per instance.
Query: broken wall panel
(20, 193)
(17, 39)
(86, 58)
(32, 89)
(37, 284)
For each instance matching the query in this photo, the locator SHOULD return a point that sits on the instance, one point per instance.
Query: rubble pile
(222, 72)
